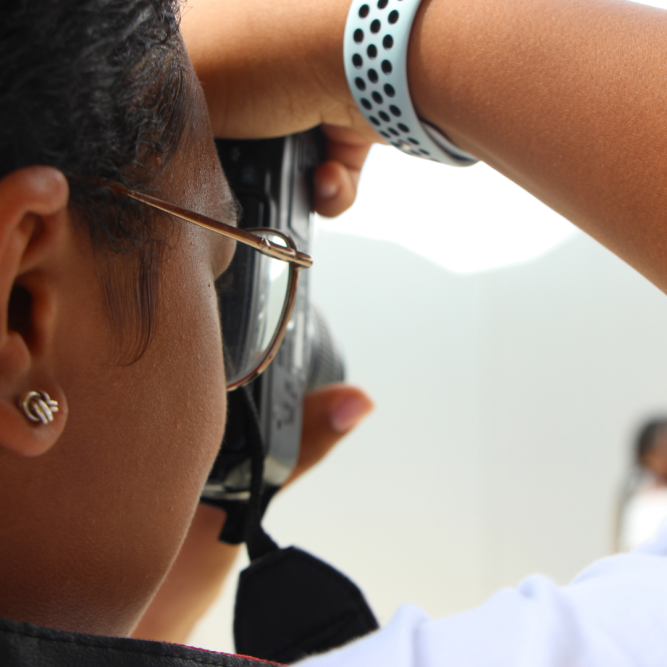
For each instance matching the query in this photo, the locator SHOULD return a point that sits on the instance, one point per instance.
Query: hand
(329, 413)
(271, 70)
(200, 569)
(337, 178)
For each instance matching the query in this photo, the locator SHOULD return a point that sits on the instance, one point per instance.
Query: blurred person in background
(643, 505)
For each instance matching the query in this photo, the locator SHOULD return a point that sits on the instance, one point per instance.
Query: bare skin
(105, 503)
(93, 508)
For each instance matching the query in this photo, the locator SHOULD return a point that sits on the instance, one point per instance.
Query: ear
(34, 223)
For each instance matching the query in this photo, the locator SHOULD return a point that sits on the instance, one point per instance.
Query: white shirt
(614, 614)
(642, 514)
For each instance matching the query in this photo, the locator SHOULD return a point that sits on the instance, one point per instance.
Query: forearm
(565, 97)
(266, 66)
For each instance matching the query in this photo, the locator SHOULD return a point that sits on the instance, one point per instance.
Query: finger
(329, 413)
(335, 188)
(336, 179)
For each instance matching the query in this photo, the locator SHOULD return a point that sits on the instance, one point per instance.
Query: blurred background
(512, 360)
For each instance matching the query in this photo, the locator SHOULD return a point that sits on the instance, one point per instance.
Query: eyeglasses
(256, 293)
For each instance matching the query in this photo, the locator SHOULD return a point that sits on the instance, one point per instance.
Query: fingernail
(326, 189)
(349, 412)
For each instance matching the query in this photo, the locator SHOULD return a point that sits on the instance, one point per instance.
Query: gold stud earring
(38, 406)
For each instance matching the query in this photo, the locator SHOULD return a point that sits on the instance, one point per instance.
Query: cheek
(189, 353)
(147, 434)
(136, 450)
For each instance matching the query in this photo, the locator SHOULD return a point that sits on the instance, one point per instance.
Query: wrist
(325, 34)
(437, 46)
(266, 69)
(377, 40)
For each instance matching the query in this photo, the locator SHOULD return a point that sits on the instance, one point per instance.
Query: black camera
(272, 180)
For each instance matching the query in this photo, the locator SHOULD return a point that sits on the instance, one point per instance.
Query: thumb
(328, 414)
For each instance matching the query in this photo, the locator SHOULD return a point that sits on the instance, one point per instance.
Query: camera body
(272, 180)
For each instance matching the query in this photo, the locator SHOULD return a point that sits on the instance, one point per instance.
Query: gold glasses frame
(288, 253)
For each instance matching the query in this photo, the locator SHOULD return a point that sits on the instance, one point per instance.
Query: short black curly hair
(647, 436)
(98, 89)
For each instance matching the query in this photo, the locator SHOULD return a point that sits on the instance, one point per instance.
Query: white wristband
(375, 51)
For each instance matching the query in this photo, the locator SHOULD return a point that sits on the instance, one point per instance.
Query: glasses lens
(251, 296)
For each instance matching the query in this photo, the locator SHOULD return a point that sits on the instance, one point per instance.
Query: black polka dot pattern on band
(376, 37)
(372, 78)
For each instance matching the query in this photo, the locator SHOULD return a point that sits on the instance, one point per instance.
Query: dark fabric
(26, 645)
(290, 604)
(258, 542)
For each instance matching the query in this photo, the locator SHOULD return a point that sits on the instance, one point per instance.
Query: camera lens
(326, 363)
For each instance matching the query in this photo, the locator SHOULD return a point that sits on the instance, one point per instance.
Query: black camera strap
(257, 540)
(290, 604)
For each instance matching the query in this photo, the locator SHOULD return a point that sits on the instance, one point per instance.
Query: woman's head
(94, 506)
(651, 448)
(98, 89)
